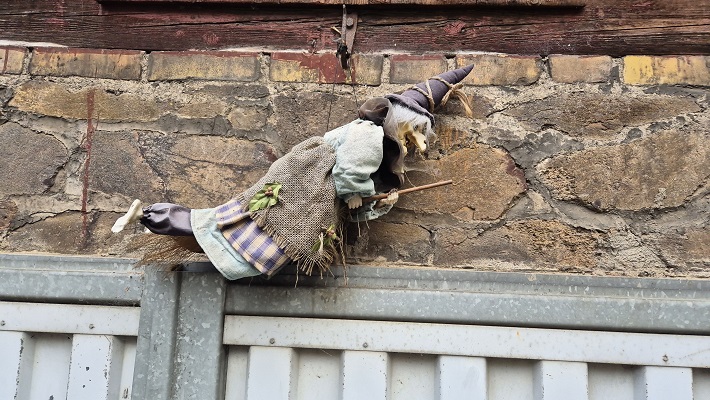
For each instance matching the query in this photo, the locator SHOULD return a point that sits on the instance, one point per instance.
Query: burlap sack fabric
(307, 204)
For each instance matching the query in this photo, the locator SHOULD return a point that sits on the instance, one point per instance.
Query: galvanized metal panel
(318, 374)
(237, 367)
(96, 366)
(179, 352)
(557, 380)
(128, 365)
(199, 357)
(510, 379)
(155, 348)
(49, 375)
(461, 378)
(69, 318)
(67, 279)
(412, 376)
(16, 357)
(272, 373)
(504, 342)
(65, 366)
(365, 375)
(483, 298)
(663, 383)
(609, 381)
(701, 384)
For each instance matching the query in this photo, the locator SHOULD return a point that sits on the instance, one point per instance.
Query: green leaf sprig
(327, 238)
(266, 197)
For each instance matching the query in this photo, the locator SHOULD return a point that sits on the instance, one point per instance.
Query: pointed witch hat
(426, 96)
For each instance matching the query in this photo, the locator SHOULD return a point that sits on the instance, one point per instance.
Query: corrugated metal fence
(78, 328)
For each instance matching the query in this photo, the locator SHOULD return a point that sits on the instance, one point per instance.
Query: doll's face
(412, 129)
(413, 134)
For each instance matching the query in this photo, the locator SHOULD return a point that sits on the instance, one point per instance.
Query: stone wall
(592, 165)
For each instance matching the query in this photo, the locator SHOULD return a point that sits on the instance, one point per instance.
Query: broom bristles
(166, 252)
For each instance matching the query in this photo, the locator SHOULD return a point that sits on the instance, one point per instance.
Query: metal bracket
(347, 37)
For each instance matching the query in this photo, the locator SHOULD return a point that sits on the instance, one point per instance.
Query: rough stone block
(55, 100)
(8, 211)
(67, 233)
(61, 233)
(415, 69)
(687, 246)
(214, 65)
(201, 108)
(486, 182)
(573, 69)
(110, 64)
(549, 245)
(251, 117)
(667, 70)
(599, 115)
(231, 92)
(500, 69)
(117, 167)
(324, 68)
(392, 241)
(656, 172)
(11, 59)
(203, 171)
(300, 115)
(29, 161)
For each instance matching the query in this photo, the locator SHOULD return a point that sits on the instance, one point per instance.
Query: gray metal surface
(180, 353)
(61, 351)
(384, 333)
(65, 279)
(155, 349)
(483, 298)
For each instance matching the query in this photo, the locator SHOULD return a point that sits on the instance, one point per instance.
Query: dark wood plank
(438, 3)
(613, 27)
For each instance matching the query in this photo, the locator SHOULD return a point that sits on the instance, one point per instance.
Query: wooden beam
(611, 27)
(438, 3)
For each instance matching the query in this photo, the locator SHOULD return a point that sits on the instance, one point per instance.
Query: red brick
(573, 69)
(667, 70)
(501, 69)
(204, 65)
(415, 69)
(324, 68)
(11, 59)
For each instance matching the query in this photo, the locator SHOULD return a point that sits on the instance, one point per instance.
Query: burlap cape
(307, 204)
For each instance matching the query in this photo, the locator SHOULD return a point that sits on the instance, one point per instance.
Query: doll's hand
(355, 202)
(392, 198)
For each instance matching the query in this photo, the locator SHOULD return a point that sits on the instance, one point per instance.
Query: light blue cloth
(368, 212)
(358, 150)
(222, 255)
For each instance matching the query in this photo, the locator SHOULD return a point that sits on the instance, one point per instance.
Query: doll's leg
(160, 218)
(167, 219)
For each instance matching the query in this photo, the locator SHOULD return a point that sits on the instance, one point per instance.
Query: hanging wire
(330, 107)
(352, 84)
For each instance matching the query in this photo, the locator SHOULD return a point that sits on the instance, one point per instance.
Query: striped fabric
(258, 248)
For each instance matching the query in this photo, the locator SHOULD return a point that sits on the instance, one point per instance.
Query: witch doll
(295, 213)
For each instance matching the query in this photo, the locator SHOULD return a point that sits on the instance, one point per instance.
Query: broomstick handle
(408, 190)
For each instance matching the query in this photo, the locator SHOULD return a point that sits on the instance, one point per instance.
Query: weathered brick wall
(593, 165)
